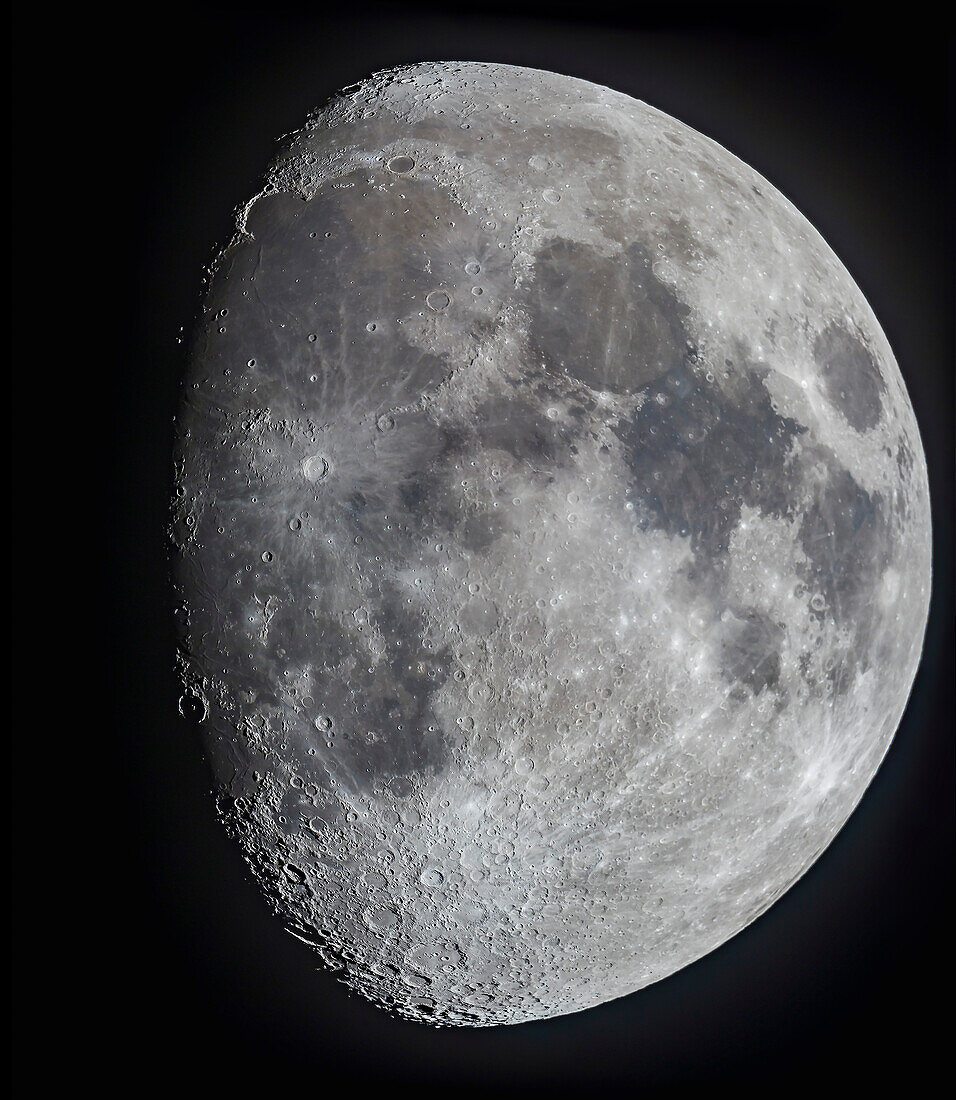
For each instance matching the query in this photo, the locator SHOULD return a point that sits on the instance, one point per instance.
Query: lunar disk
(552, 537)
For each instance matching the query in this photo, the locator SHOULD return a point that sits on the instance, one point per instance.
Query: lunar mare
(552, 534)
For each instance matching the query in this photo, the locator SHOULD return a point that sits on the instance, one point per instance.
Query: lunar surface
(552, 539)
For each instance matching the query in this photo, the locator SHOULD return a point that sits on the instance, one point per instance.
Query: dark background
(143, 957)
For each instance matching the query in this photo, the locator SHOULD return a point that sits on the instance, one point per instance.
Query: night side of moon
(552, 538)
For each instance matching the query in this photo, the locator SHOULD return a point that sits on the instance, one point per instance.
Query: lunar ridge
(551, 536)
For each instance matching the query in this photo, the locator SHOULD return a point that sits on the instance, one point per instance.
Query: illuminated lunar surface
(552, 534)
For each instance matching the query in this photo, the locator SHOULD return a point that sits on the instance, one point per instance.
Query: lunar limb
(553, 540)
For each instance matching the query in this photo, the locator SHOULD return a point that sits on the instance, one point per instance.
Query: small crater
(316, 468)
(401, 166)
(193, 706)
(381, 920)
(438, 300)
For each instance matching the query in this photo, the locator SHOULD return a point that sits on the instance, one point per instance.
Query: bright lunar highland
(552, 540)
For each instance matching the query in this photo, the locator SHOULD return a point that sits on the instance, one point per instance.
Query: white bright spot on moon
(315, 467)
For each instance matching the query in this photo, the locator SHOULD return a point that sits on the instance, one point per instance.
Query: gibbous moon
(553, 542)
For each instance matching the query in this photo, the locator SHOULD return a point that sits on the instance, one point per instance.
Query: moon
(552, 542)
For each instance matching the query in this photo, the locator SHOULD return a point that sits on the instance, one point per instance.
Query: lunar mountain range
(552, 541)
